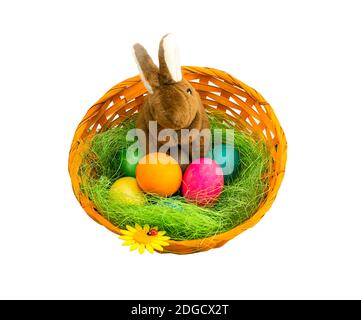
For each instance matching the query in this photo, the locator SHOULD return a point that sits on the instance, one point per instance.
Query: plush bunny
(172, 102)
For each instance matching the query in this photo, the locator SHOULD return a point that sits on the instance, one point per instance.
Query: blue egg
(228, 159)
(171, 204)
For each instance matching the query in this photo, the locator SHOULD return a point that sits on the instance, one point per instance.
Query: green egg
(129, 161)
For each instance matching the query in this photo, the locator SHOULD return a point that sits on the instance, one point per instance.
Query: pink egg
(203, 182)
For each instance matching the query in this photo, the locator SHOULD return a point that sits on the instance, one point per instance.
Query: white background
(59, 57)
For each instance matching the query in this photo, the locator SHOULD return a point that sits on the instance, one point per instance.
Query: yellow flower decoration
(144, 238)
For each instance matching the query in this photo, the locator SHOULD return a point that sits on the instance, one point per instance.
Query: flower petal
(149, 248)
(128, 242)
(141, 248)
(134, 246)
(129, 233)
(162, 233)
(157, 246)
(138, 227)
(125, 237)
(163, 238)
(162, 243)
(146, 228)
(131, 229)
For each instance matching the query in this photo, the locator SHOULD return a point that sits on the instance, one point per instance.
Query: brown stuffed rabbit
(172, 102)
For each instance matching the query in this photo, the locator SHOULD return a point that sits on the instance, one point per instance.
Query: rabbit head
(172, 100)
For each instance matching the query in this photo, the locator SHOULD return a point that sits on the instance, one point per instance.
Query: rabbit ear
(169, 63)
(149, 72)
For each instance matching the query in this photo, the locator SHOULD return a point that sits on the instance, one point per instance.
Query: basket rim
(183, 246)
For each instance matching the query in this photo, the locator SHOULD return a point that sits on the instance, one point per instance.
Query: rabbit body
(172, 104)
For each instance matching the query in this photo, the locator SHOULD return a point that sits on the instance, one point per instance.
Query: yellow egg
(126, 190)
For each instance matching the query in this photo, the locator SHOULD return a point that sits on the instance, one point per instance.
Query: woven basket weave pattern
(219, 91)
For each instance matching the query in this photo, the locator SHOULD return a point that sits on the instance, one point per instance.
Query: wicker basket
(218, 90)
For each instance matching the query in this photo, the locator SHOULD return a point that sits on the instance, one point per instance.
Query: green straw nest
(181, 220)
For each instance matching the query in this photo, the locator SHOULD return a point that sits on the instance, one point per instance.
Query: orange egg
(159, 173)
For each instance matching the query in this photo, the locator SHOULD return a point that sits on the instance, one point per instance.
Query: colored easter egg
(159, 173)
(126, 190)
(203, 182)
(129, 161)
(171, 204)
(228, 159)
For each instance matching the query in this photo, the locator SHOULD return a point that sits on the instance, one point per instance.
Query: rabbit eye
(189, 91)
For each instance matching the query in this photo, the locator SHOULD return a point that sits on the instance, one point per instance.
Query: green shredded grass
(181, 220)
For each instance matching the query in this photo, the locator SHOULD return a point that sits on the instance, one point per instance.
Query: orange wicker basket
(219, 91)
